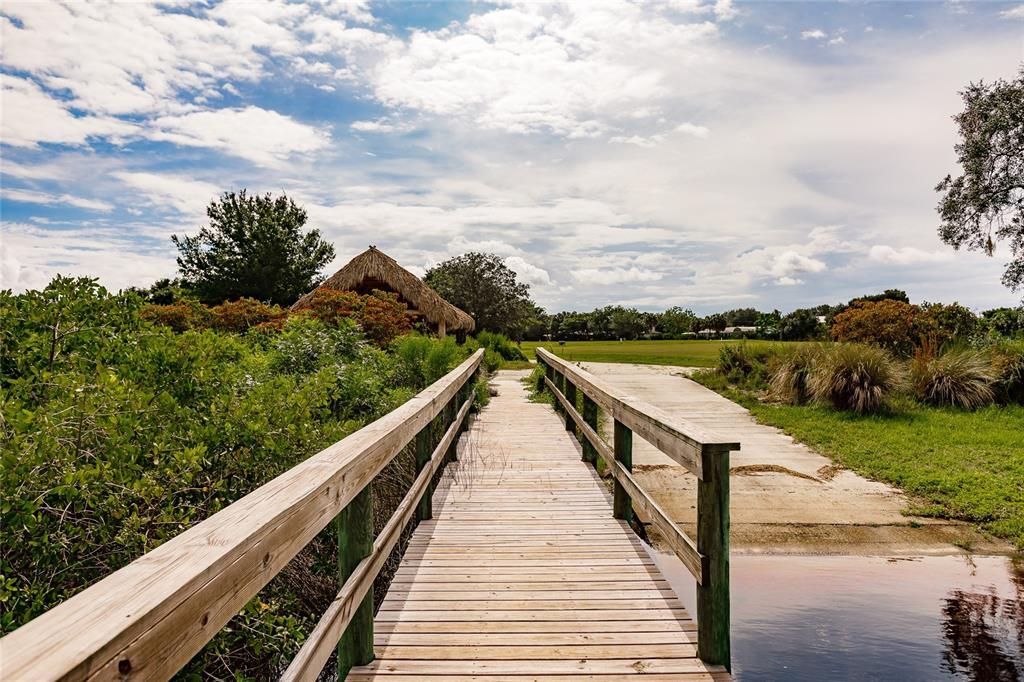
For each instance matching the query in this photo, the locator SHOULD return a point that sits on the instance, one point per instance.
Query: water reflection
(984, 633)
(870, 618)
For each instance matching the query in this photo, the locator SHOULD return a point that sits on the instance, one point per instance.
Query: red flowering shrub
(180, 316)
(888, 323)
(328, 305)
(384, 318)
(381, 315)
(240, 315)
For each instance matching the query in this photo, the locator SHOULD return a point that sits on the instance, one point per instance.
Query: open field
(684, 353)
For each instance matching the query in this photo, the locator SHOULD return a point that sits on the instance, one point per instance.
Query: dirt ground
(785, 498)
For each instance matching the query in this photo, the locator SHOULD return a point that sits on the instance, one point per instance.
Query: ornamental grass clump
(790, 374)
(855, 377)
(959, 378)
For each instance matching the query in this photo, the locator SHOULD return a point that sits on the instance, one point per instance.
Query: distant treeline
(888, 313)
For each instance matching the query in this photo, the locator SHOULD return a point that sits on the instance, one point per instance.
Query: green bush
(305, 344)
(960, 378)
(791, 371)
(745, 364)
(1008, 371)
(500, 344)
(422, 360)
(492, 361)
(855, 377)
(118, 434)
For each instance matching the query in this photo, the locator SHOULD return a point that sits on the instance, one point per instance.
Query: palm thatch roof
(373, 269)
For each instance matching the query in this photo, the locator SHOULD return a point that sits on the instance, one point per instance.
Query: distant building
(373, 269)
(737, 331)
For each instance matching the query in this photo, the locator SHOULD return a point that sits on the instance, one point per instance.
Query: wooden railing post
(713, 645)
(589, 416)
(623, 455)
(450, 411)
(570, 395)
(425, 509)
(355, 542)
(559, 380)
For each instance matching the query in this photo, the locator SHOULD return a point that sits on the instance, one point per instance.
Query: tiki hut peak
(373, 269)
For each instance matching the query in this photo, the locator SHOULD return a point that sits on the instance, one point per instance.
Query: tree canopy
(483, 286)
(255, 246)
(985, 204)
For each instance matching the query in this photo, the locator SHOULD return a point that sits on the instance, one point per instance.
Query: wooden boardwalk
(523, 574)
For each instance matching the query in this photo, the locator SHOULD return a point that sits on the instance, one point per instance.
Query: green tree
(675, 321)
(768, 324)
(945, 323)
(487, 289)
(164, 291)
(536, 325)
(887, 295)
(985, 204)
(800, 325)
(1008, 322)
(627, 323)
(255, 247)
(716, 322)
(741, 317)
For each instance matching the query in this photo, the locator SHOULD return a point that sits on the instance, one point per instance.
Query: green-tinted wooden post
(451, 411)
(590, 417)
(713, 543)
(624, 454)
(559, 382)
(570, 395)
(540, 379)
(425, 509)
(355, 542)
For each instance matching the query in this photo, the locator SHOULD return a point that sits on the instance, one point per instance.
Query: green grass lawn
(957, 464)
(687, 353)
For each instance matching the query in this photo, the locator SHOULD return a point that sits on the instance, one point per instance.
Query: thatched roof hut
(373, 269)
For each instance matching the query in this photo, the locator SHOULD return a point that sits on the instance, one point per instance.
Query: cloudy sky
(682, 152)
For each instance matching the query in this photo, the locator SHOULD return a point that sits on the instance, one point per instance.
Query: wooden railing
(147, 620)
(703, 454)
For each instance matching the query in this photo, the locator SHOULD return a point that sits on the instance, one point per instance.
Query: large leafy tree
(985, 204)
(486, 288)
(675, 321)
(799, 325)
(255, 246)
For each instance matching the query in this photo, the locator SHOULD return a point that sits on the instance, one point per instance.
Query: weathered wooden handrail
(148, 619)
(702, 453)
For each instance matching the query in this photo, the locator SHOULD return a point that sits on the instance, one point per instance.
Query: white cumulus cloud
(907, 255)
(265, 137)
(615, 275)
(527, 272)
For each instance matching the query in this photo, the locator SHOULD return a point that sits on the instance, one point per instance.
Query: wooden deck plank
(523, 574)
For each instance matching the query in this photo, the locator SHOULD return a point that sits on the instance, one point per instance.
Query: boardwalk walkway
(523, 574)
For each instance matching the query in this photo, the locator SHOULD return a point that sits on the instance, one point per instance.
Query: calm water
(868, 618)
